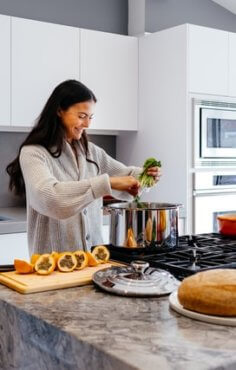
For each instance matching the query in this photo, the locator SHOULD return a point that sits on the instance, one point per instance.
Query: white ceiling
(227, 4)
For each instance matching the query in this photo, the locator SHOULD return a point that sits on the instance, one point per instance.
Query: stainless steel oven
(214, 194)
(214, 133)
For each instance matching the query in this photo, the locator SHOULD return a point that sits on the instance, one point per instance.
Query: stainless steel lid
(136, 280)
(143, 206)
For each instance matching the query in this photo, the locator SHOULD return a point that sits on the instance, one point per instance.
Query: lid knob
(139, 266)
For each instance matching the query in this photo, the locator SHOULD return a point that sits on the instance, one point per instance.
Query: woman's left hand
(155, 172)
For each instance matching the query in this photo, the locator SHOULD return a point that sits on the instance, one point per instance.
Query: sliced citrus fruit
(101, 253)
(45, 264)
(92, 260)
(66, 262)
(34, 258)
(82, 259)
(55, 255)
(23, 267)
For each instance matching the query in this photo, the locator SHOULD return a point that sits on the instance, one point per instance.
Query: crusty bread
(211, 292)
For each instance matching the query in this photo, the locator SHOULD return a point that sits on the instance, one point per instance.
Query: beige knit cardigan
(64, 196)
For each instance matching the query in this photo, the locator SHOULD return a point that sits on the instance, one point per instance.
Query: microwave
(214, 133)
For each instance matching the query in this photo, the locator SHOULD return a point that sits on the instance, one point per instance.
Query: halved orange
(45, 264)
(66, 262)
(23, 267)
(34, 258)
(82, 259)
(101, 253)
(92, 260)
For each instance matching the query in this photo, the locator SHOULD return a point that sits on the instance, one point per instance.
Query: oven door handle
(202, 193)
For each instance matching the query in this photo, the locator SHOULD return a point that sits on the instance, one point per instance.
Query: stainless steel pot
(135, 225)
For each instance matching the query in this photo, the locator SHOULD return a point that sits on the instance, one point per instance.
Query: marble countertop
(84, 328)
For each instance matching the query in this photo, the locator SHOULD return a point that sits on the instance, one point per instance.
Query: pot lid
(136, 280)
(143, 205)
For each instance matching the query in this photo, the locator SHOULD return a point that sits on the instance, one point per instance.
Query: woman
(65, 177)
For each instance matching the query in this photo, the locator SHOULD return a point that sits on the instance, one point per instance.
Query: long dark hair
(49, 131)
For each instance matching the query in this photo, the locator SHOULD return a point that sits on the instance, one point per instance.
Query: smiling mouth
(79, 130)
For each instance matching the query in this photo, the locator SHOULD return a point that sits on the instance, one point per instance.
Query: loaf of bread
(211, 292)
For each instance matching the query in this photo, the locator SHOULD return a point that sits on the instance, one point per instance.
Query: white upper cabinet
(109, 67)
(5, 68)
(208, 60)
(232, 64)
(43, 55)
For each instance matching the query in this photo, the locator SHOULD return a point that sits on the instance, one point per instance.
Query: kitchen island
(84, 328)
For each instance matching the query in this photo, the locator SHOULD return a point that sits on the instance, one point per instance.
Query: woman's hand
(125, 183)
(155, 172)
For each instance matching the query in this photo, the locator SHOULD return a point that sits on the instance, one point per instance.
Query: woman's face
(77, 118)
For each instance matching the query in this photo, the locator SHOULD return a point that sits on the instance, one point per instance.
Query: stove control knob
(140, 266)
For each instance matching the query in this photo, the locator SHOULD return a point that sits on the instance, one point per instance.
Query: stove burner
(194, 253)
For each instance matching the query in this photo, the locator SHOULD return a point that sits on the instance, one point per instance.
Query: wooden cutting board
(32, 283)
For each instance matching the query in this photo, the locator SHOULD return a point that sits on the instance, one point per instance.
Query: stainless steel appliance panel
(214, 133)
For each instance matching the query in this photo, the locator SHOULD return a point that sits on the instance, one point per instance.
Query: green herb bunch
(147, 181)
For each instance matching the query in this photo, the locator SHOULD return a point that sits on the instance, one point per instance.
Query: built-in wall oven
(214, 193)
(214, 133)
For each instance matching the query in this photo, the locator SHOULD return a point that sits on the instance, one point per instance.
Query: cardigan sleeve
(112, 167)
(51, 197)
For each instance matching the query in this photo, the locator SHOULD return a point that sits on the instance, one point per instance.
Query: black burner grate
(193, 254)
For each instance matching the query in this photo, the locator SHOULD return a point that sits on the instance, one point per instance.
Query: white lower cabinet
(13, 246)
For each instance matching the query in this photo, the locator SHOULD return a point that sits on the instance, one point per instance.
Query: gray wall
(100, 15)
(9, 145)
(161, 14)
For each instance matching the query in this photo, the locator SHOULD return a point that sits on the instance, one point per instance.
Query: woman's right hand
(125, 183)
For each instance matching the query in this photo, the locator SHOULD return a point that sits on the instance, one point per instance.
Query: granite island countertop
(84, 328)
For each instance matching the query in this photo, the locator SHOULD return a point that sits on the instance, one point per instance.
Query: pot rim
(142, 206)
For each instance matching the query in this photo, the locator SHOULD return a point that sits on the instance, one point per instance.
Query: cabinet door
(43, 55)
(109, 67)
(232, 64)
(13, 246)
(208, 60)
(5, 68)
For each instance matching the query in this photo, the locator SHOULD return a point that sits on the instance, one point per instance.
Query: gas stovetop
(194, 253)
